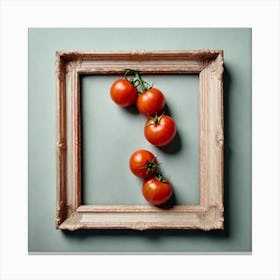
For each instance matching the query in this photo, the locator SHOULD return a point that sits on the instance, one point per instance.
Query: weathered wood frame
(70, 214)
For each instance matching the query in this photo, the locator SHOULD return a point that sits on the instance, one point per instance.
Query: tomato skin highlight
(160, 131)
(123, 93)
(151, 102)
(156, 192)
(143, 164)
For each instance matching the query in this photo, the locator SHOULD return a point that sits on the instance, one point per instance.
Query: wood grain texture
(61, 142)
(208, 215)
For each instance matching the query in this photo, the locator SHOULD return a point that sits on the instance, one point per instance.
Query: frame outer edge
(61, 141)
(212, 216)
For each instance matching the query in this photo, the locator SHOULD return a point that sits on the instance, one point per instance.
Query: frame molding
(70, 214)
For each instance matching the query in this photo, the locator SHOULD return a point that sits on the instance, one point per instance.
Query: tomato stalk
(152, 165)
(156, 120)
(160, 177)
(137, 80)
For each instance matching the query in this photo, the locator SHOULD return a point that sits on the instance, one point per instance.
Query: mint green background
(42, 235)
(111, 134)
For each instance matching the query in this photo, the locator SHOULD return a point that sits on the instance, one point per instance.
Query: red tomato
(157, 190)
(160, 131)
(143, 164)
(123, 93)
(150, 102)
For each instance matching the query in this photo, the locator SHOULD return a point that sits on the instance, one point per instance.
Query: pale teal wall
(43, 237)
(111, 134)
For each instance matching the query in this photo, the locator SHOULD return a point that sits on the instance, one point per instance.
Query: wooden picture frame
(208, 215)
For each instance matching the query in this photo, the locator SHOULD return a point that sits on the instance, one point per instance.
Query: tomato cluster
(156, 189)
(159, 130)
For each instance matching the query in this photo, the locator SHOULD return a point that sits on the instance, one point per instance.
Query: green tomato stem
(160, 177)
(137, 80)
